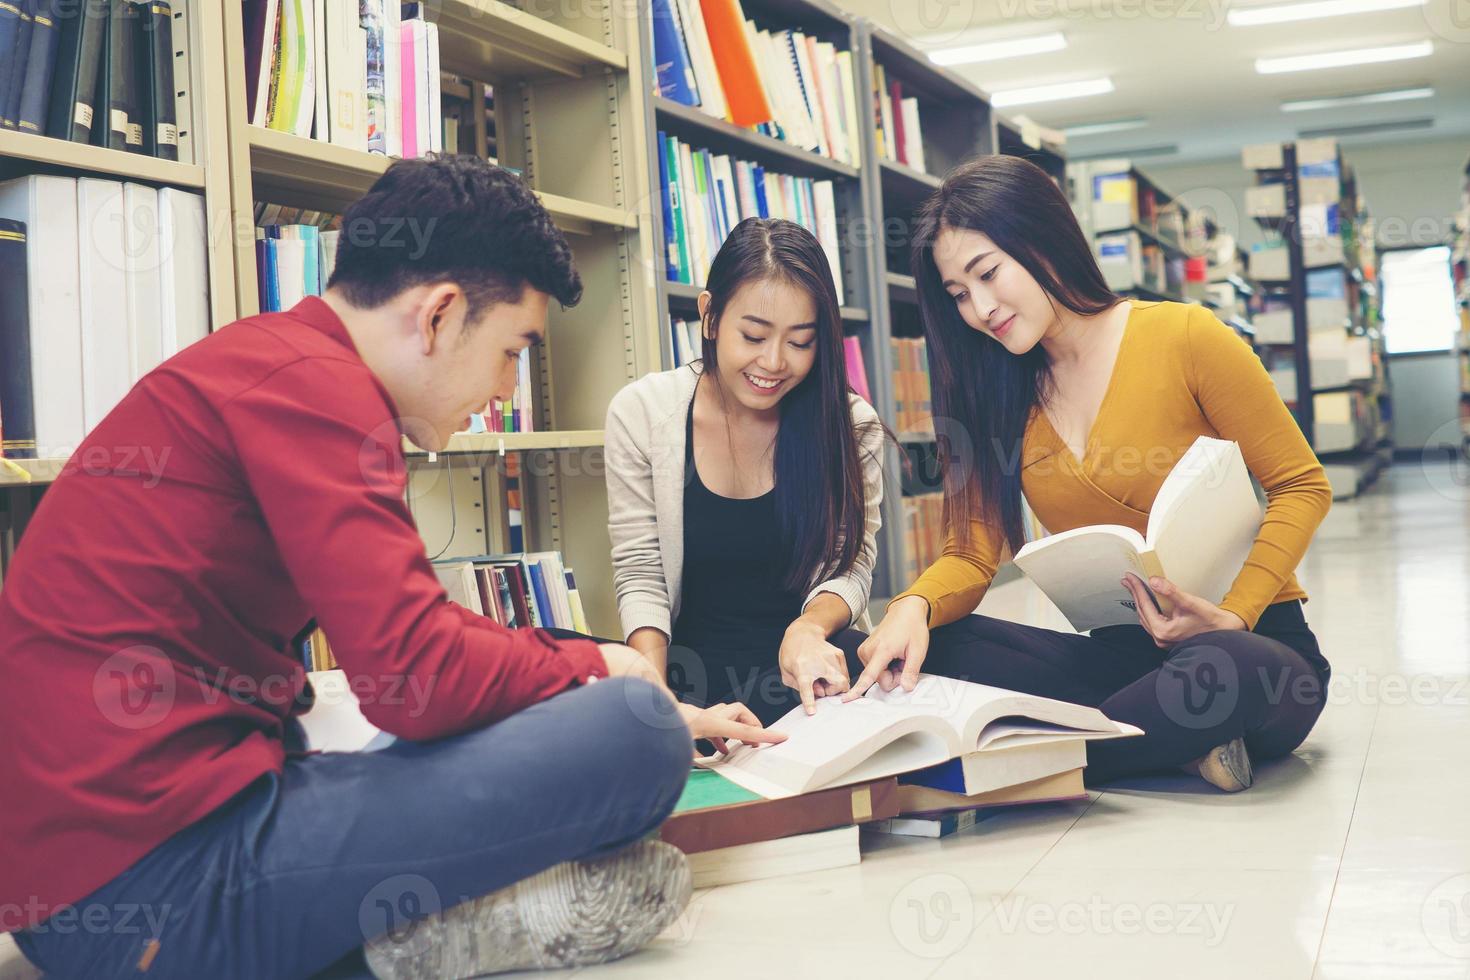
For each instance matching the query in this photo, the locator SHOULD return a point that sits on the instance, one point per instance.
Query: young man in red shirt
(156, 819)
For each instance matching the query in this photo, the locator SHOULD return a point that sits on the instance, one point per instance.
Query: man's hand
(902, 639)
(721, 721)
(810, 665)
(1190, 617)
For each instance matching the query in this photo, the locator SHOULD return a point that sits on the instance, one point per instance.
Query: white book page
(825, 748)
(1082, 570)
(1205, 519)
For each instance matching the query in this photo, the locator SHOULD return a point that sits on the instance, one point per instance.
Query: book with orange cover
(735, 62)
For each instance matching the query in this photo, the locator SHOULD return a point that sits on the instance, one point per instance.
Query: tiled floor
(1348, 861)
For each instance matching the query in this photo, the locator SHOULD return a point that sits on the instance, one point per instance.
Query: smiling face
(765, 341)
(993, 293)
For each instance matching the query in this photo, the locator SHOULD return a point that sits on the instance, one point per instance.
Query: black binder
(13, 60)
(160, 117)
(39, 68)
(120, 127)
(73, 110)
(17, 405)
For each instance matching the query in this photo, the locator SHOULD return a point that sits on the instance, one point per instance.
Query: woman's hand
(902, 638)
(1191, 615)
(722, 721)
(810, 665)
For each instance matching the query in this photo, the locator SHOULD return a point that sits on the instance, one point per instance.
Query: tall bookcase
(1328, 355)
(23, 154)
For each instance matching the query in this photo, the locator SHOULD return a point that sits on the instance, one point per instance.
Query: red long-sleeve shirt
(248, 484)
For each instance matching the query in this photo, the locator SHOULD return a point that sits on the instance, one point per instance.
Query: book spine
(40, 67)
(408, 91)
(17, 58)
(17, 403)
(735, 62)
(156, 81)
(673, 73)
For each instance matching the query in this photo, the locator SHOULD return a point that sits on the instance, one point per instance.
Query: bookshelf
(24, 154)
(569, 116)
(1137, 228)
(1324, 346)
(825, 22)
(957, 125)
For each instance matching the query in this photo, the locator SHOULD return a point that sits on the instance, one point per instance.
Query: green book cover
(676, 207)
(706, 789)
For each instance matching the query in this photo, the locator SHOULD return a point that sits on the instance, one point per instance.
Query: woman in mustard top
(1083, 401)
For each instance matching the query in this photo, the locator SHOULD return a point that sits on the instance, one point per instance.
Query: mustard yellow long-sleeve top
(1180, 373)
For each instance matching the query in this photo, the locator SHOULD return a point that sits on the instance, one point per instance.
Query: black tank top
(734, 610)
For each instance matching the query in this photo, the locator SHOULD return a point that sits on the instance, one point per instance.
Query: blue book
(542, 602)
(272, 276)
(672, 70)
(760, 192)
(948, 776)
(36, 89)
(16, 56)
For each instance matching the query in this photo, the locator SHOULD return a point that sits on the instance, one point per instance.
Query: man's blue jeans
(300, 868)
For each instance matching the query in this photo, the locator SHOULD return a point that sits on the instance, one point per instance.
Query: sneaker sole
(579, 913)
(1228, 767)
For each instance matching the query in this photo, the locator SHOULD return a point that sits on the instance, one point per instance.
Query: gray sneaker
(575, 914)
(1226, 766)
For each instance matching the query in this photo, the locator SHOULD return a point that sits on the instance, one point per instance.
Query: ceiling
(1180, 65)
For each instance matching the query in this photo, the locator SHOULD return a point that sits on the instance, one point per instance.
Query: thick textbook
(885, 733)
(713, 812)
(1200, 529)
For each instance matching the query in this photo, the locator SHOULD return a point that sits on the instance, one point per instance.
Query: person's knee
(640, 727)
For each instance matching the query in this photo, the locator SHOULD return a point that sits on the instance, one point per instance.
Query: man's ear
(436, 316)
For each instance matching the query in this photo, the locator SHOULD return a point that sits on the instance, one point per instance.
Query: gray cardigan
(645, 500)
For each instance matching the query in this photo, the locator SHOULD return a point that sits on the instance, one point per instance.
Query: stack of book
(923, 532)
(912, 390)
(932, 755)
(516, 590)
(363, 75)
(787, 84)
(295, 252)
(517, 414)
(111, 73)
(684, 341)
(900, 134)
(104, 280)
(705, 196)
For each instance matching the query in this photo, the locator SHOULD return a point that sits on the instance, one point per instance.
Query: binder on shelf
(673, 71)
(183, 269)
(119, 127)
(102, 273)
(17, 396)
(73, 110)
(143, 297)
(40, 68)
(48, 207)
(157, 91)
(16, 27)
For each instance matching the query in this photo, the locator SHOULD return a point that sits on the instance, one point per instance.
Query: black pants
(1267, 686)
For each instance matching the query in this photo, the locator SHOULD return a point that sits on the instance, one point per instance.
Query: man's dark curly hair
(456, 218)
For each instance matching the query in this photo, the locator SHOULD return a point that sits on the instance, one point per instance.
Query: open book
(1201, 526)
(885, 733)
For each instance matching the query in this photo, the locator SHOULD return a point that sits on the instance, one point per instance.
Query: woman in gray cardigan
(744, 489)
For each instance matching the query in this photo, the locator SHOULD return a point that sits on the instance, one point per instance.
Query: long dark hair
(979, 386)
(819, 478)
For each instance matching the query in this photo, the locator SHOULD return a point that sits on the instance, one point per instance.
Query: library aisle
(1349, 860)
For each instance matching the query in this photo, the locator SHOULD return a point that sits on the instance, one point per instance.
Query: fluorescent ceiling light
(970, 54)
(1311, 10)
(1374, 98)
(1097, 129)
(1050, 93)
(1342, 59)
